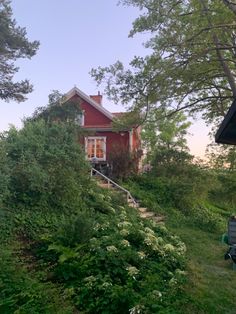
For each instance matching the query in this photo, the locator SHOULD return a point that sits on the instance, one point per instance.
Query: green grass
(212, 281)
(211, 285)
(26, 288)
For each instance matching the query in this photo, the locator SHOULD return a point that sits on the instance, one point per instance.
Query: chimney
(97, 98)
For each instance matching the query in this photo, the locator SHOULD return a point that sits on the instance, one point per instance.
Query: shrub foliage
(75, 235)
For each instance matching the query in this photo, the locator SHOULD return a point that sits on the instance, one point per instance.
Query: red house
(101, 140)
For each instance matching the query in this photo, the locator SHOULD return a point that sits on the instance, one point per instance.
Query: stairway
(107, 183)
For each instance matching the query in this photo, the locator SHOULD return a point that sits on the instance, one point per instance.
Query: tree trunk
(230, 5)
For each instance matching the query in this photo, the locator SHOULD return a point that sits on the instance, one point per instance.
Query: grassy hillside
(51, 263)
(68, 246)
(211, 285)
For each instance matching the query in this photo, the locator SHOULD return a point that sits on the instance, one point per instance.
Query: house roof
(76, 91)
(226, 133)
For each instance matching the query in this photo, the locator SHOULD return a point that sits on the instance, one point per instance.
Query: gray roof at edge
(226, 133)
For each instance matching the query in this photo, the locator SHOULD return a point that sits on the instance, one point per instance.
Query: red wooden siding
(114, 141)
(97, 122)
(92, 117)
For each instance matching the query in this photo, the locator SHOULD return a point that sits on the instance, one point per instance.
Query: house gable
(101, 141)
(92, 116)
(77, 92)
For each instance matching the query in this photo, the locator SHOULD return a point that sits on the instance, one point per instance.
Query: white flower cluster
(150, 240)
(132, 271)
(158, 244)
(181, 248)
(124, 224)
(123, 216)
(153, 241)
(173, 282)
(156, 294)
(112, 248)
(106, 284)
(179, 245)
(136, 310)
(99, 226)
(148, 230)
(141, 255)
(125, 243)
(169, 247)
(124, 232)
(90, 281)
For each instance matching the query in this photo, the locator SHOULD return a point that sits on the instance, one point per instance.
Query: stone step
(109, 186)
(147, 215)
(103, 185)
(158, 218)
(142, 209)
(132, 205)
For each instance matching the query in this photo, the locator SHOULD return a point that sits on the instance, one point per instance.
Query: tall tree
(221, 156)
(58, 109)
(192, 63)
(166, 131)
(164, 137)
(13, 45)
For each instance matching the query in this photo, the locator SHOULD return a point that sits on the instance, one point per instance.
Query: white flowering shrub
(128, 265)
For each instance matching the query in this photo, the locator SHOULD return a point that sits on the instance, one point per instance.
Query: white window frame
(96, 138)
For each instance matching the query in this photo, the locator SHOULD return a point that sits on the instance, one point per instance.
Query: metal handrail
(109, 181)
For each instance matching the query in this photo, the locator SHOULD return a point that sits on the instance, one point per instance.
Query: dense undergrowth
(200, 226)
(69, 246)
(162, 196)
(51, 264)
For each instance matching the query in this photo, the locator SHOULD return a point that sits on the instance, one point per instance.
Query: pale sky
(75, 36)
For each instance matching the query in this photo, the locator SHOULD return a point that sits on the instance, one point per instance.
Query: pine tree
(13, 45)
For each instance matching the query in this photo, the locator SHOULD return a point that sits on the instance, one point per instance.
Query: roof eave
(222, 135)
(76, 91)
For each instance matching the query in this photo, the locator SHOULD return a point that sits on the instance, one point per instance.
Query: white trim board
(76, 91)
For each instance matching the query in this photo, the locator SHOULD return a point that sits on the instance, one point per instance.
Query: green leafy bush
(76, 229)
(205, 218)
(80, 238)
(125, 264)
(122, 163)
(161, 194)
(224, 193)
(48, 169)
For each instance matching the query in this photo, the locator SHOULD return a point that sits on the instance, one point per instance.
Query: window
(80, 119)
(95, 147)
